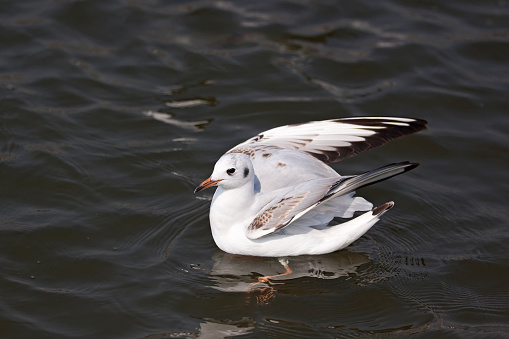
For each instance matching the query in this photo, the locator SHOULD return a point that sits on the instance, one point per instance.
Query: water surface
(112, 112)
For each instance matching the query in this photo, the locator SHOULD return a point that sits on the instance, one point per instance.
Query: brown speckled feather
(282, 210)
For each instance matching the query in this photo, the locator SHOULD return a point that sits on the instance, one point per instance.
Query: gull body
(276, 195)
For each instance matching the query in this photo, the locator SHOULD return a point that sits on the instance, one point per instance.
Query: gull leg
(283, 262)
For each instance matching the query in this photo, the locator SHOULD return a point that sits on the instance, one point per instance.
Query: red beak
(206, 184)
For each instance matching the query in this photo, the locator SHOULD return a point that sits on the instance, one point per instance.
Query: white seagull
(276, 195)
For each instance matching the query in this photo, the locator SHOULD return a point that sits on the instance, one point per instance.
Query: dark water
(111, 112)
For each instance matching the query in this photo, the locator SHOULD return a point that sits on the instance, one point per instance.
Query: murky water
(111, 112)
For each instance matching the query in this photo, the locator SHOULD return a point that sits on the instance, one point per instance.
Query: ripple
(169, 119)
(98, 220)
(185, 103)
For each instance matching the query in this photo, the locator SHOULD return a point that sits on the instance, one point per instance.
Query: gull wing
(333, 140)
(282, 211)
(285, 208)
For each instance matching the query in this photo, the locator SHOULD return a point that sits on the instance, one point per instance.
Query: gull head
(231, 171)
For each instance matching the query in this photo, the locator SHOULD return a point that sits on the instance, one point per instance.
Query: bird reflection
(261, 276)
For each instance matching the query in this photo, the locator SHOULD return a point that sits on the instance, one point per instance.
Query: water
(112, 112)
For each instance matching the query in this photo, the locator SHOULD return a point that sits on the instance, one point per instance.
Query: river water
(111, 112)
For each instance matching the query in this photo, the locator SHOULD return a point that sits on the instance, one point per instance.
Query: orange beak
(206, 184)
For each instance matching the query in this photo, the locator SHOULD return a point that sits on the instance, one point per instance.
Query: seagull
(276, 194)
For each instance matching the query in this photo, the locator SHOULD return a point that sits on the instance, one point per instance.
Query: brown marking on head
(280, 164)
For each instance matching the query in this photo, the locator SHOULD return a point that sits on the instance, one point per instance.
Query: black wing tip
(392, 130)
(404, 165)
(418, 124)
(383, 208)
(409, 165)
(413, 124)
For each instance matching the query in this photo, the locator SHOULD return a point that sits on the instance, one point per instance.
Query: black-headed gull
(276, 194)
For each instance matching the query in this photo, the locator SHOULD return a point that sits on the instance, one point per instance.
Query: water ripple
(112, 112)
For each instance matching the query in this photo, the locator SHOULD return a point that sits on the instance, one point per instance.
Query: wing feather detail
(333, 140)
(282, 211)
(275, 217)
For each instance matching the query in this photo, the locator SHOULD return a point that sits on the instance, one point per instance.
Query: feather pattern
(334, 140)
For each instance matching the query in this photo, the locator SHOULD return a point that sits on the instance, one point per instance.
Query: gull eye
(230, 171)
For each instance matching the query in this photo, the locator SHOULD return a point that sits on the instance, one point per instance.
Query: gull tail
(351, 183)
(342, 235)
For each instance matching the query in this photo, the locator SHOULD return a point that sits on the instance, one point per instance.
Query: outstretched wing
(333, 140)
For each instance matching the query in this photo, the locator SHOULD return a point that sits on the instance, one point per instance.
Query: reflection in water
(210, 329)
(236, 273)
(262, 295)
(221, 329)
